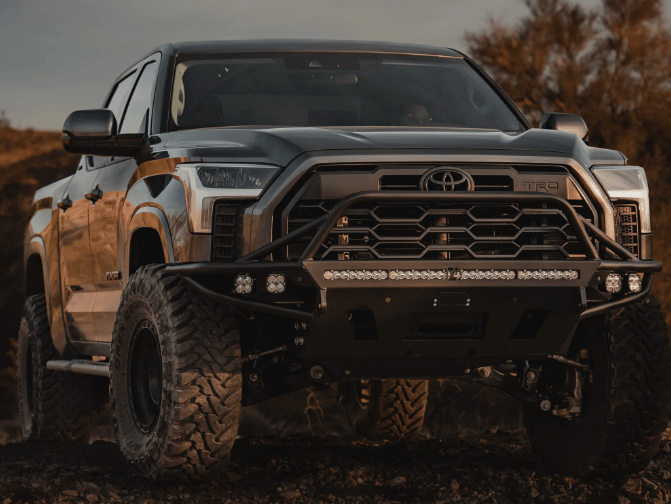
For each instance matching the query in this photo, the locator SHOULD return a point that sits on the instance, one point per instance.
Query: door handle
(94, 195)
(65, 203)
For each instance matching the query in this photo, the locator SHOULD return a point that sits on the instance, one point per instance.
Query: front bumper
(376, 314)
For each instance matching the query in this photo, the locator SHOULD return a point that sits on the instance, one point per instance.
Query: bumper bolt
(531, 376)
(316, 372)
(545, 405)
(484, 372)
(253, 377)
(299, 340)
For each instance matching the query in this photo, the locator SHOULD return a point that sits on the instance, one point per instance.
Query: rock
(350, 482)
(306, 479)
(70, 493)
(290, 494)
(7, 501)
(233, 477)
(622, 500)
(534, 493)
(648, 485)
(92, 498)
(398, 480)
(454, 485)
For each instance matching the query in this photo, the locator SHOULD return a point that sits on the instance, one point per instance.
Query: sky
(63, 55)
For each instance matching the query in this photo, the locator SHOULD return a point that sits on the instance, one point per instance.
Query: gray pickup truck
(250, 218)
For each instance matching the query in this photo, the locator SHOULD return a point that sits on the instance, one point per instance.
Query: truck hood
(279, 146)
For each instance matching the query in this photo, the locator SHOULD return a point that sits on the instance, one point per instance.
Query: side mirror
(571, 123)
(94, 132)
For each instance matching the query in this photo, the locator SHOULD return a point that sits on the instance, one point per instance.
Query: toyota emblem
(446, 179)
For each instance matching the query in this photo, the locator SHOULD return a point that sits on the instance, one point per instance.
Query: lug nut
(253, 377)
(299, 340)
(316, 372)
(545, 405)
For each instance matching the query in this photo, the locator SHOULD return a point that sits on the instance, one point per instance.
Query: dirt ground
(489, 468)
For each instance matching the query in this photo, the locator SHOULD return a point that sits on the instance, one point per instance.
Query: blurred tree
(4, 120)
(612, 65)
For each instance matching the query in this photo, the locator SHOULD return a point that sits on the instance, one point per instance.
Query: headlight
(627, 183)
(206, 183)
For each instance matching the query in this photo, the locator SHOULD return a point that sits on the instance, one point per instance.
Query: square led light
(635, 283)
(613, 283)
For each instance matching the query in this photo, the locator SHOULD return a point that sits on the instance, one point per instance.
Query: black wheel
(54, 407)
(175, 379)
(615, 422)
(387, 409)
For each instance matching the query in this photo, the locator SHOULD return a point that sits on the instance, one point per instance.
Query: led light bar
(356, 275)
(548, 275)
(487, 275)
(419, 275)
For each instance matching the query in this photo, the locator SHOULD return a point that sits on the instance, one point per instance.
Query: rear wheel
(622, 408)
(54, 406)
(175, 379)
(387, 409)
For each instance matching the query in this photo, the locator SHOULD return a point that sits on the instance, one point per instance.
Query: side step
(80, 366)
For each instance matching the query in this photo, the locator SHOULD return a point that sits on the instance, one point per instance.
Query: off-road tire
(394, 412)
(54, 406)
(201, 392)
(628, 402)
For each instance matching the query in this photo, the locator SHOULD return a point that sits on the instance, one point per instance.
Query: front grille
(225, 232)
(435, 231)
(627, 227)
(438, 230)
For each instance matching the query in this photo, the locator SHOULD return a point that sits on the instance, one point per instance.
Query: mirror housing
(571, 123)
(94, 132)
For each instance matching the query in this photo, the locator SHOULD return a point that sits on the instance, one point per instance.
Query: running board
(81, 367)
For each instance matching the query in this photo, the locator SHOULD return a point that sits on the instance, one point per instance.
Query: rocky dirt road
(492, 468)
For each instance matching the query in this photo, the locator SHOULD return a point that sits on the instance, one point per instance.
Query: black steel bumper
(436, 314)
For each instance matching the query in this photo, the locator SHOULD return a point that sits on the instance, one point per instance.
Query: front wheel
(175, 379)
(615, 422)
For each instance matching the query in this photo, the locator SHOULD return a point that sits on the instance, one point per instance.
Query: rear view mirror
(94, 132)
(571, 123)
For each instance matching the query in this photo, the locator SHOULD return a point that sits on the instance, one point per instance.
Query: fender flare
(36, 246)
(153, 218)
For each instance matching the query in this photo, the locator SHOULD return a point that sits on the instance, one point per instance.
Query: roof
(243, 46)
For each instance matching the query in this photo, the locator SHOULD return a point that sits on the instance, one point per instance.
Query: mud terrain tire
(392, 410)
(627, 404)
(176, 384)
(54, 406)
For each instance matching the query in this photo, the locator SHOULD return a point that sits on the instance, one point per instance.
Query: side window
(140, 101)
(118, 98)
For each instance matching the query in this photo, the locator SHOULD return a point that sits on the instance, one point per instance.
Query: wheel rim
(145, 376)
(28, 377)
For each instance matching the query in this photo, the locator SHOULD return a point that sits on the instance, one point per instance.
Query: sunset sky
(63, 55)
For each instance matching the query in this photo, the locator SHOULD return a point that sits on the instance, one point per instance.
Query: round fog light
(613, 283)
(635, 284)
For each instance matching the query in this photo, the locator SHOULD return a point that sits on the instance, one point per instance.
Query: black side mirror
(94, 132)
(571, 123)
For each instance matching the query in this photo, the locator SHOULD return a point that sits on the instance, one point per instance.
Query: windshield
(335, 90)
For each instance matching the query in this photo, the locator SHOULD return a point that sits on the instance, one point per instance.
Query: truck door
(111, 187)
(76, 269)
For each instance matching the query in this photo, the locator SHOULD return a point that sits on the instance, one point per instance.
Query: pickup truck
(250, 218)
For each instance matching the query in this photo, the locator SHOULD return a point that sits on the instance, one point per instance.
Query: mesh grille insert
(225, 232)
(627, 227)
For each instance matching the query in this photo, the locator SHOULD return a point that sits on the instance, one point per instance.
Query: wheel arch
(36, 271)
(150, 240)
